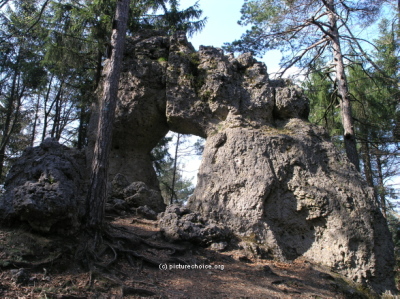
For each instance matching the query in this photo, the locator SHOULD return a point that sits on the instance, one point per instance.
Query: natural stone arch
(273, 178)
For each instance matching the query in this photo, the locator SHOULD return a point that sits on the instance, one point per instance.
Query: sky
(222, 17)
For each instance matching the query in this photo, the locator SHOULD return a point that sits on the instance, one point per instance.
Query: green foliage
(172, 19)
(51, 59)
(299, 28)
(374, 95)
(319, 88)
(164, 165)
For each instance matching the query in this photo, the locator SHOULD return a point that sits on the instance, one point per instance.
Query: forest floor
(37, 266)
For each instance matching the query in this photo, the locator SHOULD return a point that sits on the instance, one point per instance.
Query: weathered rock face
(273, 178)
(180, 224)
(135, 194)
(140, 120)
(286, 189)
(46, 188)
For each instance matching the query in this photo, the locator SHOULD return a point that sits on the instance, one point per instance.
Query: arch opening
(176, 160)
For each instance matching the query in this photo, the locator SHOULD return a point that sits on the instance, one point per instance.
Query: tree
(306, 28)
(374, 97)
(97, 193)
(20, 75)
(174, 19)
(173, 185)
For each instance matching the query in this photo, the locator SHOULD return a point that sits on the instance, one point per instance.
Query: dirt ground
(37, 266)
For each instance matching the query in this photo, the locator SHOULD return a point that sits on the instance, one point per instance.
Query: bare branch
(39, 17)
(297, 58)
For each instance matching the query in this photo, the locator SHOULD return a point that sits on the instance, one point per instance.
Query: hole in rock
(176, 159)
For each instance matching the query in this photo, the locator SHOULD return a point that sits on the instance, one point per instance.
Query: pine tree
(97, 193)
(306, 29)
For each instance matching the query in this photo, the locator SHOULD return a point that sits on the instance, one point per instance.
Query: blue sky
(222, 27)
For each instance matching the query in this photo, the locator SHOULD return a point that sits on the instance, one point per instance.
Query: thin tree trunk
(46, 113)
(350, 143)
(368, 172)
(11, 130)
(7, 124)
(82, 127)
(56, 118)
(99, 68)
(174, 170)
(381, 187)
(367, 164)
(97, 192)
(35, 121)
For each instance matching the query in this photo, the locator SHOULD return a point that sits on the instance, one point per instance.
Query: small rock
(22, 277)
(245, 259)
(179, 224)
(221, 246)
(268, 271)
(147, 213)
(326, 276)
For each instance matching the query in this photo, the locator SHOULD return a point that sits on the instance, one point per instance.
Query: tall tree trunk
(57, 116)
(97, 192)
(6, 131)
(82, 127)
(35, 121)
(368, 172)
(46, 113)
(174, 170)
(381, 186)
(349, 137)
(367, 163)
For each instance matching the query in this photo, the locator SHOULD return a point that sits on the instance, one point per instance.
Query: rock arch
(275, 179)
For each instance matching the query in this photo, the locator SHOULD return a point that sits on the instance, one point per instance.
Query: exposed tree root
(12, 264)
(100, 252)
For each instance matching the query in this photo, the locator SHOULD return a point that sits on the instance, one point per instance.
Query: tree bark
(367, 164)
(97, 193)
(381, 186)
(11, 111)
(35, 121)
(349, 137)
(174, 170)
(46, 113)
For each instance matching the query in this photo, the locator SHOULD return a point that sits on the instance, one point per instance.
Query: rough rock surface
(276, 180)
(180, 224)
(135, 194)
(46, 188)
(140, 120)
(287, 189)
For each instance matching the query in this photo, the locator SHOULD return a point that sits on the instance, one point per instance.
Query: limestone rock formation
(273, 178)
(287, 190)
(180, 224)
(46, 188)
(140, 120)
(135, 194)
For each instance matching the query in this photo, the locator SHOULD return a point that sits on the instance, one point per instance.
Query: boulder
(46, 188)
(287, 190)
(179, 224)
(135, 194)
